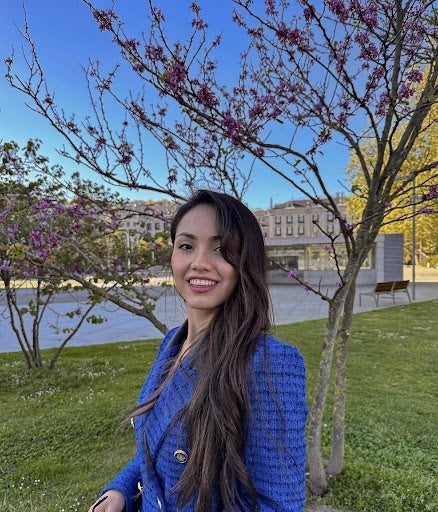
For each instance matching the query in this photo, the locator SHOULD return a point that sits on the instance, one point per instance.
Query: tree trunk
(336, 461)
(316, 480)
(70, 336)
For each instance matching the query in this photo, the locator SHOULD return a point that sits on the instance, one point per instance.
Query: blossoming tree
(313, 74)
(51, 245)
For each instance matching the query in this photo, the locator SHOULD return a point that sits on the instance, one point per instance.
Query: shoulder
(278, 369)
(276, 356)
(170, 342)
(277, 385)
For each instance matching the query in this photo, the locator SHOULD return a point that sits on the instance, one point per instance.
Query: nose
(201, 260)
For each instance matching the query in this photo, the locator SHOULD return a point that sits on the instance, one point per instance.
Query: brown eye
(185, 247)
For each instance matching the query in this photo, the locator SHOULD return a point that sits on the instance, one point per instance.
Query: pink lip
(199, 287)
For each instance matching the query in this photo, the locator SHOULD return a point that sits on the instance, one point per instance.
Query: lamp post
(414, 198)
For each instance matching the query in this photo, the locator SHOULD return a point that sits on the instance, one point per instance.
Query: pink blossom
(342, 120)
(374, 78)
(309, 13)
(105, 18)
(72, 126)
(369, 14)
(91, 130)
(158, 14)
(383, 104)
(431, 194)
(139, 112)
(206, 97)
(37, 238)
(176, 78)
(290, 36)
(155, 53)
(405, 92)
(126, 153)
(426, 211)
(271, 8)
(100, 143)
(233, 128)
(199, 24)
(48, 100)
(138, 67)
(415, 75)
(339, 8)
(368, 48)
(293, 272)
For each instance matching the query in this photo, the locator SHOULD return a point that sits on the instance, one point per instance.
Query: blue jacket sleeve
(275, 447)
(128, 480)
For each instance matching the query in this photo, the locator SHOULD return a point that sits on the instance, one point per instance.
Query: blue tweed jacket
(274, 453)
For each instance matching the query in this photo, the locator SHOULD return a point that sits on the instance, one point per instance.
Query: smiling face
(202, 276)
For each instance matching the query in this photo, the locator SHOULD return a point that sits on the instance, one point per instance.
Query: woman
(220, 419)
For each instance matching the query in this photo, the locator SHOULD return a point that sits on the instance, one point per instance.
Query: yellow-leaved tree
(400, 213)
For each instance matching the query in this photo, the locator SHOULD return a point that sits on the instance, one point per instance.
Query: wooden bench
(387, 288)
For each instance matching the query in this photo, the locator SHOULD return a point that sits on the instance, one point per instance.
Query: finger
(98, 502)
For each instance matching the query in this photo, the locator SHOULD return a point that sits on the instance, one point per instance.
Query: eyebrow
(193, 237)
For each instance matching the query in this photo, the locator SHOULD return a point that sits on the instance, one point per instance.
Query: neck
(198, 321)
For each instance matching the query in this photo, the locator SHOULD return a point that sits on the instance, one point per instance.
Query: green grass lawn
(60, 440)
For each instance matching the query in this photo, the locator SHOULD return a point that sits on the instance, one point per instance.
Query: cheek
(177, 266)
(173, 261)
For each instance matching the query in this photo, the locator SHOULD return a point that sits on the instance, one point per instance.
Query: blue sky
(66, 36)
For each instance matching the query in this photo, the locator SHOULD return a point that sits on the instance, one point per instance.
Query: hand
(111, 501)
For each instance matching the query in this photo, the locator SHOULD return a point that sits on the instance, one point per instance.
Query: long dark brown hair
(215, 416)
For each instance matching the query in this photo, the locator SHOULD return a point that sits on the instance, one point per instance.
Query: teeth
(201, 282)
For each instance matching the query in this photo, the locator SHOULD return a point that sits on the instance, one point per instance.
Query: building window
(277, 219)
(330, 228)
(315, 217)
(301, 218)
(289, 219)
(330, 217)
(313, 257)
(301, 230)
(148, 226)
(289, 230)
(157, 226)
(278, 231)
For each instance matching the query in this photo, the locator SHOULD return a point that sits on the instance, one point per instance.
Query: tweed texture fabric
(274, 452)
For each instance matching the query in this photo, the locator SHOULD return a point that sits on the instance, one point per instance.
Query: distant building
(300, 218)
(147, 217)
(312, 259)
(297, 235)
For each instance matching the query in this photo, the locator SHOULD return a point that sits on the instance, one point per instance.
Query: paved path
(291, 304)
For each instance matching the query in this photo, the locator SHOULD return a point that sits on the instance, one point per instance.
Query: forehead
(200, 220)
